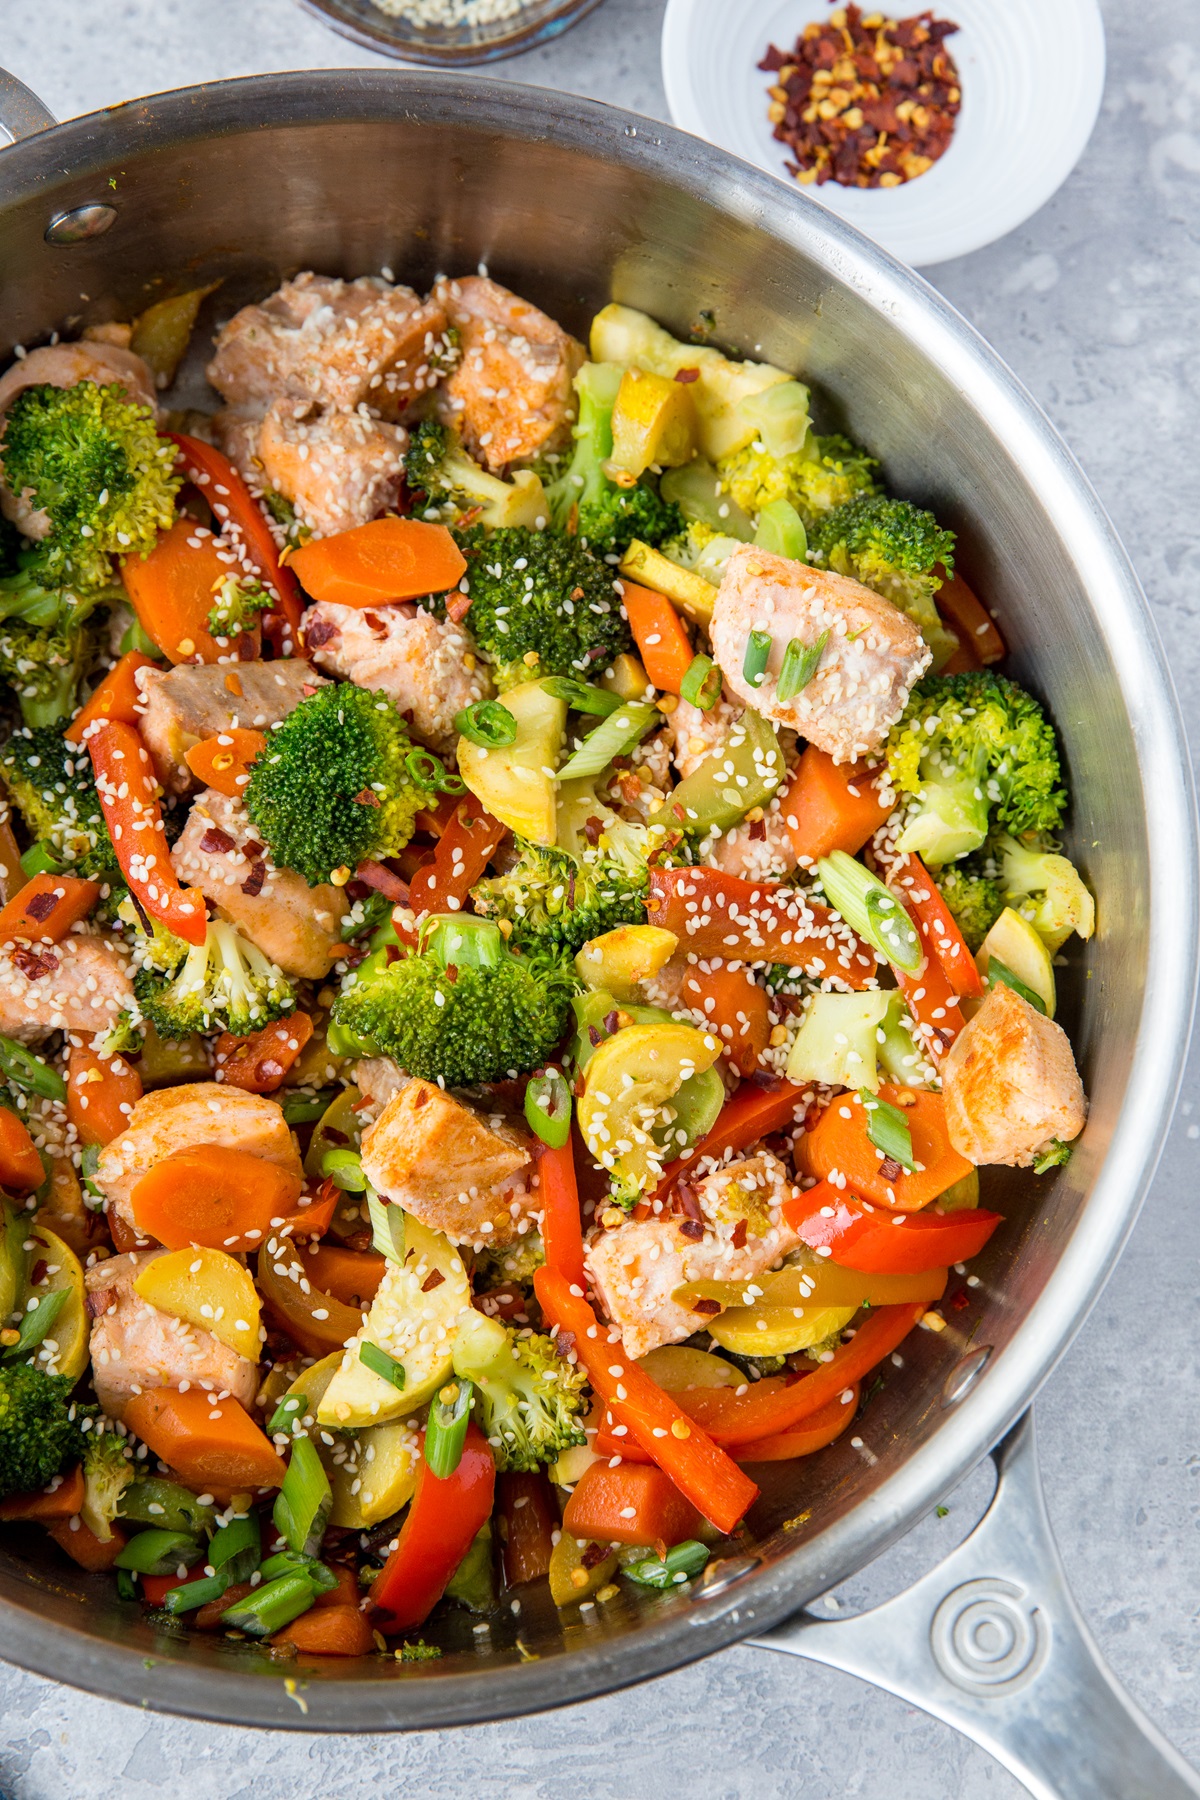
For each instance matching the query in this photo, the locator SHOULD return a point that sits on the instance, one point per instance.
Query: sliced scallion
(153, 1501)
(446, 1429)
(888, 1129)
(673, 1569)
(286, 1562)
(799, 666)
(621, 730)
(28, 1072)
(381, 1364)
(344, 1169)
(581, 696)
(999, 974)
(40, 859)
(158, 1552)
(126, 1587)
(387, 1226)
(288, 1413)
(36, 1323)
(548, 1109)
(269, 1608)
(236, 1548)
(301, 1108)
(303, 1502)
(197, 1593)
(871, 909)
(487, 723)
(780, 530)
(758, 654)
(701, 686)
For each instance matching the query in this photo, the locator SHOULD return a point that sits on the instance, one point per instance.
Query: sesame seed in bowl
(449, 33)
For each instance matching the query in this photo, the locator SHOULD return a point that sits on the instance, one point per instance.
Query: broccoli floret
(107, 1472)
(517, 1262)
(556, 903)
(893, 547)
(975, 900)
(93, 462)
(457, 489)
(827, 472)
(154, 947)
(969, 747)
(239, 606)
(583, 500)
(528, 1399)
(701, 549)
(1045, 888)
(40, 1431)
(48, 643)
(462, 1008)
(223, 984)
(535, 593)
(339, 781)
(52, 785)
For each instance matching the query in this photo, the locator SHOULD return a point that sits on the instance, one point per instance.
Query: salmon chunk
(178, 1118)
(695, 734)
(341, 343)
(1010, 1084)
(82, 985)
(510, 395)
(636, 1268)
(377, 1078)
(453, 1169)
(871, 657)
(338, 469)
(428, 666)
(135, 1346)
(180, 706)
(296, 926)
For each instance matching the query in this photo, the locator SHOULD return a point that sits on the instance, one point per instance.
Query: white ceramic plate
(1032, 78)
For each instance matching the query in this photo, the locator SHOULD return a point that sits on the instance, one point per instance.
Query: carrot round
(205, 1440)
(258, 1063)
(20, 1165)
(831, 806)
(172, 591)
(221, 1198)
(839, 1141)
(101, 1094)
(117, 697)
(734, 1007)
(633, 1504)
(84, 1547)
(223, 762)
(658, 631)
(45, 909)
(388, 559)
(351, 1276)
(63, 1503)
(346, 1593)
(329, 1631)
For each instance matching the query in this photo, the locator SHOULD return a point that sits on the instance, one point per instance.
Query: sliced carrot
(351, 1276)
(205, 1440)
(633, 1504)
(658, 631)
(221, 1198)
(839, 1141)
(258, 1063)
(223, 762)
(813, 1433)
(312, 1217)
(117, 697)
(173, 590)
(329, 1631)
(831, 806)
(20, 1165)
(63, 1503)
(128, 796)
(45, 909)
(101, 1094)
(346, 1593)
(735, 1007)
(211, 1616)
(155, 1588)
(388, 559)
(971, 619)
(235, 507)
(84, 1547)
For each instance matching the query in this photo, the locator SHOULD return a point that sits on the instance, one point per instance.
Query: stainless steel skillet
(574, 203)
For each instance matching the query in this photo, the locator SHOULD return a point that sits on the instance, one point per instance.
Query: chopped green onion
(387, 1226)
(673, 1569)
(581, 696)
(871, 909)
(344, 1169)
(758, 654)
(36, 1323)
(236, 1548)
(428, 772)
(548, 1109)
(89, 1162)
(126, 1586)
(780, 530)
(701, 686)
(619, 732)
(157, 1552)
(153, 1501)
(303, 1502)
(888, 1129)
(29, 1072)
(1053, 1156)
(302, 1107)
(288, 1413)
(799, 666)
(380, 1363)
(286, 1562)
(999, 974)
(269, 1608)
(40, 859)
(446, 1428)
(488, 723)
(197, 1593)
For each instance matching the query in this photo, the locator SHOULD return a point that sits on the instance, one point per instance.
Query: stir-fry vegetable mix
(525, 904)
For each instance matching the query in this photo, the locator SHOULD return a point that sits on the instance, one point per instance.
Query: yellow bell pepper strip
(129, 798)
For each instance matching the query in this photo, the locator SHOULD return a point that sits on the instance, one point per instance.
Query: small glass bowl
(449, 46)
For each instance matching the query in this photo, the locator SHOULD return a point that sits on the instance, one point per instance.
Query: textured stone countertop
(1095, 303)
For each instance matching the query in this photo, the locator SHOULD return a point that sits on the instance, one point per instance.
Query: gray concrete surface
(1095, 303)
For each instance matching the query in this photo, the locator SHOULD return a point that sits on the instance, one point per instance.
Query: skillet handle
(21, 112)
(992, 1643)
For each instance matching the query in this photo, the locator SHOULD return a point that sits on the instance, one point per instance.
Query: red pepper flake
(591, 830)
(739, 1235)
(216, 842)
(692, 1229)
(710, 1308)
(685, 376)
(687, 1202)
(99, 1301)
(961, 1300)
(866, 105)
(254, 881)
(318, 633)
(366, 797)
(41, 906)
(890, 1169)
(594, 1554)
(33, 963)
(433, 1280)
(458, 608)
(252, 849)
(375, 623)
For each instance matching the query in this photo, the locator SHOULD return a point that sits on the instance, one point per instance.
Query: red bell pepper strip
(777, 1404)
(860, 1236)
(754, 1112)
(940, 935)
(838, 1144)
(933, 1004)
(562, 1226)
(445, 1515)
(129, 798)
(702, 1473)
(233, 503)
(755, 921)
(464, 849)
(782, 1446)
(970, 619)
(528, 1520)
(116, 697)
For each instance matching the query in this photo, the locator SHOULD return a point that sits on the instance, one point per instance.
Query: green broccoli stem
(462, 941)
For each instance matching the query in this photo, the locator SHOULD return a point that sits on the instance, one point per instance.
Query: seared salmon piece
(872, 655)
(428, 666)
(695, 734)
(296, 926)
(510, 395)
(180, 706)
(453, 1169)
(178, 1118)
(1010, 1083)
(135, 1346)
(81, 985)
(338, 469)
(342, 343)
(636, 1268)
(377, 1078)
